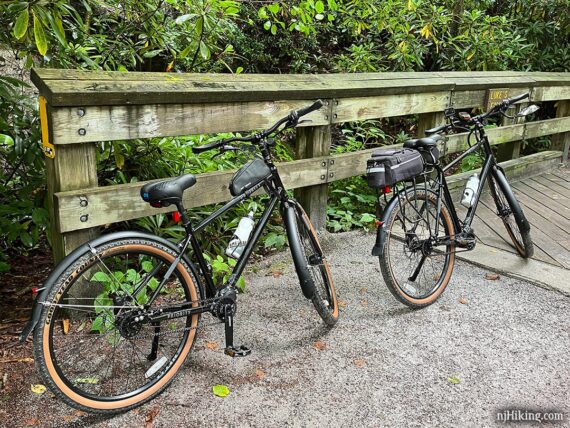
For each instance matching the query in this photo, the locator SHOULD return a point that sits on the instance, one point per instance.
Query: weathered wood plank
(551, 93)
(107, 123)
(547, 188)
(540, 238)
(559, 181)
(178, 91)
(561, 190)
(363, 108)
(122, 202)
(111, 204)
(529, 189)
(550, 221)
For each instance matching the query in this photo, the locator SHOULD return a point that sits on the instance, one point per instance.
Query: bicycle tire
(511, 213)
(312, 267)
(78, 393)
(399, 288)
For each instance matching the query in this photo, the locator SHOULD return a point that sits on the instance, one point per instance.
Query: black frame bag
(388, 166)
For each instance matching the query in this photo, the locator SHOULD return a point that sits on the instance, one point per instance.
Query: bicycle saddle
(423, 143)
(164, 193)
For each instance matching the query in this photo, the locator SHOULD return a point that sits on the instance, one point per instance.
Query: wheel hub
(129, 324)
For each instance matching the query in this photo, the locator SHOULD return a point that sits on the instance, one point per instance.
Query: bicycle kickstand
(231, 350)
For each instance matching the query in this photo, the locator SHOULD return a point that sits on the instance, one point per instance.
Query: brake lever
(224, 149)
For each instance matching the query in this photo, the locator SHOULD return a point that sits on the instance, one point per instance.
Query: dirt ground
(484, 346)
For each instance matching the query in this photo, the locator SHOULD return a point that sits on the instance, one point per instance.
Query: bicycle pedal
(240, 351)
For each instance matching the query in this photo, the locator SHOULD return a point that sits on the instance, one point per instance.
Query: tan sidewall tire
(404, 298)
(156, 388)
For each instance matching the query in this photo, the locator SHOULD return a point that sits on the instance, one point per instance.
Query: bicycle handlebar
(291, 119)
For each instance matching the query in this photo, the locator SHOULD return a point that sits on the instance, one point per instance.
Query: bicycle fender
(378, 248)
(288, 213)
(49, 283)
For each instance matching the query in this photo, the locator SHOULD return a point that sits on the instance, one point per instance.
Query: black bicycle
(117, 317)
(420, 232)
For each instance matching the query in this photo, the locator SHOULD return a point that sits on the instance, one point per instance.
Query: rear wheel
(316, 269)
(510, 211)
(90, 346)
(415, 269)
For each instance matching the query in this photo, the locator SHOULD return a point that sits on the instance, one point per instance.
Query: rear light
(176, 217)
(379, 223)
(387, 189)
(156, 204)
(35, 291)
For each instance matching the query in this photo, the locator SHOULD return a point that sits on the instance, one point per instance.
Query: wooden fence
(81, 108)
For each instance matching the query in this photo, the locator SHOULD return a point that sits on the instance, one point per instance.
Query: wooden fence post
(314, 141)
(562, 141)
(429, 120)
(74, 167)
(511, 150)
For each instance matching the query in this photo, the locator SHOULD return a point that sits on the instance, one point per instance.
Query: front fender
(48, 284)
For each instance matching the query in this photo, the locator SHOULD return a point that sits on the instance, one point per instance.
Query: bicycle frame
(441, 189)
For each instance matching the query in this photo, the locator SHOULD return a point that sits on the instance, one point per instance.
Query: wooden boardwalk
(546, 203)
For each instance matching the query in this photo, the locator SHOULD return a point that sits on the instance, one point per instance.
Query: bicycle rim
(94, 354)
(416, 272)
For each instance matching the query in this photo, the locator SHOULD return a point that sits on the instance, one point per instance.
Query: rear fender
(49, 283)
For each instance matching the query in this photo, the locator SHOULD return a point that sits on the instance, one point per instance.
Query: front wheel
(90, 346)
(510, 211)
(312, 267)
(418, 254)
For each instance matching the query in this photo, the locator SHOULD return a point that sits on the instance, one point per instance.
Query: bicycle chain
(184, 329)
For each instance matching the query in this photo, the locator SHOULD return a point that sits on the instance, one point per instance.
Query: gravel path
(382, 365)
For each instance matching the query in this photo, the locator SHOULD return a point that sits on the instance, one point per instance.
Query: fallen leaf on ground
(212, 345)
(359, 362)
(463, 301)
(90, 380)
(260, 374)
(342, 303)
(150, 416)
(454, 380)
(363, 290)
(68, 418)
(32, 422)
(65, 326)
(276, 273)
(364, 302)
(38, 388)
(320, 345)
(79, 413)
(492, 276)
(220, 390)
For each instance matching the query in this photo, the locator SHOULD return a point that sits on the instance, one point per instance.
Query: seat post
(182, 212)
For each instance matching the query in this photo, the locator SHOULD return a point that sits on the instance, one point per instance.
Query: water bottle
(241, 236)
(470, 191)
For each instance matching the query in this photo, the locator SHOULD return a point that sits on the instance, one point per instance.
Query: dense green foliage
(301, 36)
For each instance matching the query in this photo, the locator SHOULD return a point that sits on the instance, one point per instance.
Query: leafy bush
(23, 216)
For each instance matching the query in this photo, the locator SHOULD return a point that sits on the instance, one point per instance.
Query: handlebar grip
(513, 100)
(306, 110)
(209, 146)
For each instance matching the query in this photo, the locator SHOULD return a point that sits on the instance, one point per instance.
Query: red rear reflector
(156, 204)
(387, 189)
(176, 217)
(378, 223)
(34, 290)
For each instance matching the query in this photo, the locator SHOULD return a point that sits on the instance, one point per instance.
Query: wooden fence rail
(83, 108)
